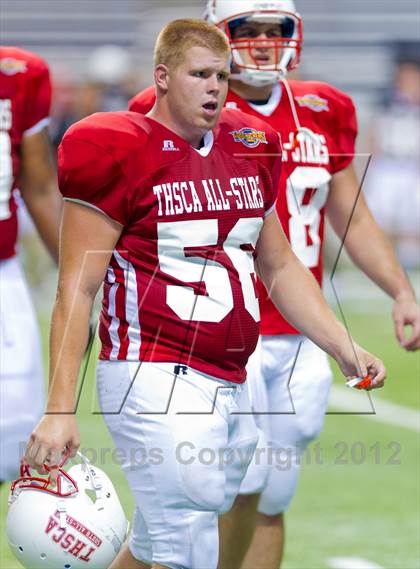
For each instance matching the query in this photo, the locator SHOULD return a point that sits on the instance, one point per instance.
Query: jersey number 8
(305, 219)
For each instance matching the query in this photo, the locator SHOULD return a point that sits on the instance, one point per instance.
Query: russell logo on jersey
(169, 146)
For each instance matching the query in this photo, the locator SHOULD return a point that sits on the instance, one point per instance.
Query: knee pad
(285, 458)
(193, 543)
(281, 482)
(307, 431)
(190, 540)
(203, 484)
(305, 424)
(256, 476)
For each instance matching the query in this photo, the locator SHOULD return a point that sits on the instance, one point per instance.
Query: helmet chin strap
(254, 78)
(266, 78)
(89, 470)
(94, 480)
(62, 512)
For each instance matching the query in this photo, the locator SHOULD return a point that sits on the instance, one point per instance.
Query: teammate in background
(26, 163)
(175, 205)
(318, 128)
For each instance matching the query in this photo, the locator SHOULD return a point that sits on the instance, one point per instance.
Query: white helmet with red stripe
(228, 14)
(80, 523)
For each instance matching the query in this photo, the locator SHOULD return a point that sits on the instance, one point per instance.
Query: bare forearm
(371, 251)
(45, 209)
(365, 241)
(38, 185)
(68, 339)
(298, 297)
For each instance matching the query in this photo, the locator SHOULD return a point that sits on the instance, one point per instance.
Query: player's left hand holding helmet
(80, 523)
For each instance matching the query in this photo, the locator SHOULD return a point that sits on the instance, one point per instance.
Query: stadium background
(358, 504)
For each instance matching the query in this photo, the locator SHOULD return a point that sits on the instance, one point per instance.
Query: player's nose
(261, 37)
(213, 84)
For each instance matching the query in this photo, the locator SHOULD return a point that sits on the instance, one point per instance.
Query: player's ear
(161, 76)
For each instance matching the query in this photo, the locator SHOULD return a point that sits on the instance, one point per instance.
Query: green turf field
(359, 492)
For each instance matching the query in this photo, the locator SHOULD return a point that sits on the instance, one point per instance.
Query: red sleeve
(346, 132)
(88, 173)
(38, 95)
(143, 102)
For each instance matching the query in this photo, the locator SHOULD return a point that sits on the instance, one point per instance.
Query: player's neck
(162, 115)
(250, 92)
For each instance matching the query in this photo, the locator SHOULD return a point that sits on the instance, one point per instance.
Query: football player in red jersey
(169, 211)
(25, 162)
(318, 127)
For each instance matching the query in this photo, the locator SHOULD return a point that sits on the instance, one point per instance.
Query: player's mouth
(263, 59)
(211, 108)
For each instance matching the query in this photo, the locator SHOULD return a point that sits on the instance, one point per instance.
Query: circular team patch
(249, 136)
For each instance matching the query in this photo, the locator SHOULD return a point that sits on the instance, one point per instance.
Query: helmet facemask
(281, 46)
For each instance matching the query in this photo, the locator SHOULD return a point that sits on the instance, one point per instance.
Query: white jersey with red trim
(25, 96)
(309, 162)
(180, 286)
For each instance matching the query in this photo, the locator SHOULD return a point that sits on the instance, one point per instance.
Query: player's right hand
(357, 362)
(54, 439)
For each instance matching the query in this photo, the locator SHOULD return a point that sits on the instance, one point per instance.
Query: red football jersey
(309, 161)
(180, 286)
(25, 97)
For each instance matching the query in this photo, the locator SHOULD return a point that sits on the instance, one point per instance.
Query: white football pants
(21, 372)
(186, 442)
(294, 378)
